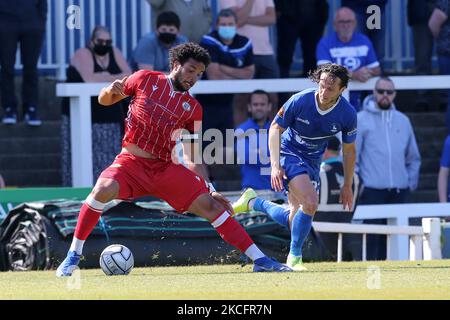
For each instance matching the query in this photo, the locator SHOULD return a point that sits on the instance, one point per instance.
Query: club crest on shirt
(186, 106)
(281, 112)
(334, 128)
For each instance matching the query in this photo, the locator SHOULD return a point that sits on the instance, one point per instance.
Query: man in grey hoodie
(388, 159)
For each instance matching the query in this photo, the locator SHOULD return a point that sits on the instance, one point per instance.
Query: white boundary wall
(80, 94)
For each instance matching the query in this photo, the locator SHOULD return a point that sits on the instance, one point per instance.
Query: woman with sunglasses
(99, 61)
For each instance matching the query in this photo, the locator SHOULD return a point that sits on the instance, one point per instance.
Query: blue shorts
(295, 165)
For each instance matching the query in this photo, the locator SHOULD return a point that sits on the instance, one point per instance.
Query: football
(116, 259)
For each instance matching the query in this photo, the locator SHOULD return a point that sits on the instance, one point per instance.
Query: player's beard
(178, 84)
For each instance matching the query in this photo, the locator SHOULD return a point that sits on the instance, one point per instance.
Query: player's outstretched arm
(277, 172)
(113, 93)
(349, 159)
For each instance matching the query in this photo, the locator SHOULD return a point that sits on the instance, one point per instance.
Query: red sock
(89, 215)
(232, 232)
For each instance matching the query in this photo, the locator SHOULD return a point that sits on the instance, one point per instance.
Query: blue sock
(301, 225)
(279, 214)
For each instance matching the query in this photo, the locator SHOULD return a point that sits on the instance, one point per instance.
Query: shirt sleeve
(248, 58)
(212, 50)
(445, 157)
(286, 115)
(412, 160)
(350, 129)
(323, 53)
(372, 60)
(133, 81)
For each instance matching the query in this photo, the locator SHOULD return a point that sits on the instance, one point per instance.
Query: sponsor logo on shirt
(303, 120)
(352, 132)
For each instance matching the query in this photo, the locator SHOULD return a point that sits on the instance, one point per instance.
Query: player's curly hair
(334, 70)
(183, 52)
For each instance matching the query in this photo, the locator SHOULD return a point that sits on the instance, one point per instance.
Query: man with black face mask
(388, 159)
(152, 51)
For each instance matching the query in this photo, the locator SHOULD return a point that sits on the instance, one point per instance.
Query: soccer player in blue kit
(304, 125)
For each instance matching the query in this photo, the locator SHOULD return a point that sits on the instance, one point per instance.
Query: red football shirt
(157, 113)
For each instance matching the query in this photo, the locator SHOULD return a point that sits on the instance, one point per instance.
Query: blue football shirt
(308, 128)
(251, 146)
(353, 55)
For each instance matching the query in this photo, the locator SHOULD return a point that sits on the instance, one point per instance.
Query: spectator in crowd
(419, 13)
(330, 210)
(304, 20)
(252, 143)
(443, 181)
(152, 51)
(388, 158)
(439, 24)
(24, 24)
(195, 16)
(376, 35)
(99, 61)
(2, 182)
(332, 178)
(254, 19)
(231, 58)
(350, 49)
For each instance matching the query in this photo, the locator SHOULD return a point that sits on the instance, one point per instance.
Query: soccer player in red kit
(161, 106)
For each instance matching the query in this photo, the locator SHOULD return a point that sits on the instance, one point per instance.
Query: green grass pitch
(346, 280)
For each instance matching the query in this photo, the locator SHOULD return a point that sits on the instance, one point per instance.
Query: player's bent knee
(105, 190)
(213, 209)
(310, 207)
(206, 207)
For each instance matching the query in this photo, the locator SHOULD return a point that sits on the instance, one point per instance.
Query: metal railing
(128, 20)
(424, 241)
(81, 93)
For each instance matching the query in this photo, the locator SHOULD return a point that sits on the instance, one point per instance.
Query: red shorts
(139, 177)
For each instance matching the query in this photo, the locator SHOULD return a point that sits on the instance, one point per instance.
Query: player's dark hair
(332, 69)
(183, 52)
(168, 18)
(259, 91)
